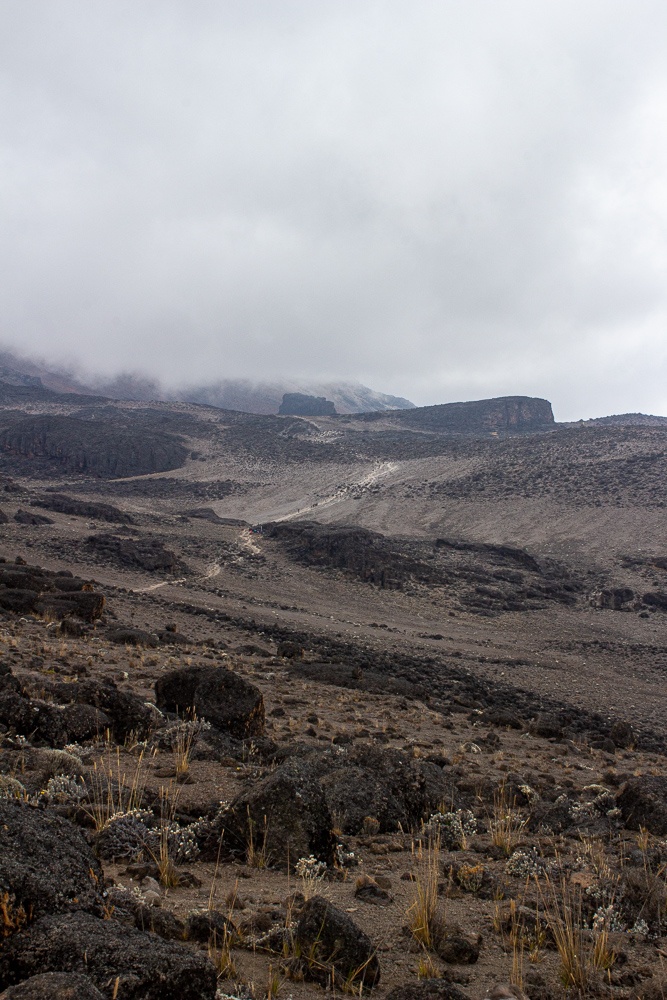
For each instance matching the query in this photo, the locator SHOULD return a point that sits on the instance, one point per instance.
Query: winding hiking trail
(380, 471)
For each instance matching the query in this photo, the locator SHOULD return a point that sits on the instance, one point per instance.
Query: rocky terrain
(372, 705)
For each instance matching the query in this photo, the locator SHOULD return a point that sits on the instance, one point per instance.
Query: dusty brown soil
(413, 668)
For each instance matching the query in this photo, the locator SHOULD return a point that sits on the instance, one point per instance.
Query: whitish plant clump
(453, 828)
(311, 872)
(11, 788)
(63, 790)
(137, 835)
(180, 733)
(526, 864)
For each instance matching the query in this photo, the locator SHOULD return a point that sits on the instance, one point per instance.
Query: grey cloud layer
(442, 199)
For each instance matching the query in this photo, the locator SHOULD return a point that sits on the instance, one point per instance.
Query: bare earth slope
(585, 505)
(459, 612)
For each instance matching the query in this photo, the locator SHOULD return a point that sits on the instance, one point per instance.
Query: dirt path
(379, 471)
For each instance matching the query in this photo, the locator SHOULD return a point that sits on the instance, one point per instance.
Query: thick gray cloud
(442, 199)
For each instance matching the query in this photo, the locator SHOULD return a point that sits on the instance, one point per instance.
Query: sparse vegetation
(381, 735)
(424, 915)
(507, 823)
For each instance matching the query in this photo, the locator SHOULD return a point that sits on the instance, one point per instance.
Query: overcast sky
(445, 200)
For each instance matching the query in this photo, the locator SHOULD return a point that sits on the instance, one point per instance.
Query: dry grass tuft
(112, 790)
(581, 953)
(507, 824)
(424, 918)
(256, 850)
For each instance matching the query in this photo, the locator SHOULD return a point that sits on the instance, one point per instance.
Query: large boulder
(46, 865)
(86, 605)
(643, 803)
(393, 787)
(127, 713)
(334, 950)
(54, 986)
(221, 696)
(122, 962)
(389, 785)
(81, 711)
(282, 818)
(132, 637)
(145, 553)
(29, 517)
(289, 813)
(33, 717)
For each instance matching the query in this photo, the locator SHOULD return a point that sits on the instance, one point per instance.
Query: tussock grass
(582, 954)
(507, 823)
(423, 915)
(256, 850)
(112, 789)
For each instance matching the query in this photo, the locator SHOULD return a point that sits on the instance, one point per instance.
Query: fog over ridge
(441, 201)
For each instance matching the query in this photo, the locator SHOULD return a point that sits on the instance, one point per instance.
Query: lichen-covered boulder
(643, 803)
(46, 864)
(221, 696)
(334, 950)
(122, 962)
(54, 986)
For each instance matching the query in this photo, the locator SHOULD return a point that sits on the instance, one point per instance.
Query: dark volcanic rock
(208, 925)
(132, 637)
(126, 712)
(29, 517)
(86, 605)
(222, 697)
(18, 600)
(54, 986)
(122, 962)
(46, 865)
(485, 578)
(135, 553)
(643, 802)
(457, 948)
(546, 725)
(289, 812)
(30, 589)
(366, 554)
(97, 447)
(655, 599)
(42, 721)
(284, 816)
(335, 950)
(3, 518)
(388, 785)
(298, 404)
(503, 415)
(208, 514)
(617, 599)
(368, 890)
(62, 504)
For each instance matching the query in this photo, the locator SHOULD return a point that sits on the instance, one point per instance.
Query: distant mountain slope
(246, 395)
(630, 420)
(266, 397)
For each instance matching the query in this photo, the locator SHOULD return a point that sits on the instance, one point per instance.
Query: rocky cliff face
(96, 448)
(504, 415)
(299, 404)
